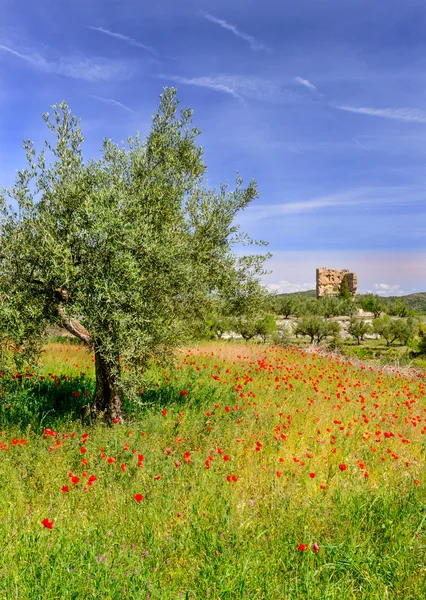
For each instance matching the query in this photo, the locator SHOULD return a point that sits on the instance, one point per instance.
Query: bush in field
(125, 252)
(397, 308)
(372, 303)
(316, 328)
(358, 329)
(307, 307)
(266, 327)
(286, 306)
(246, 327)
(394, 329)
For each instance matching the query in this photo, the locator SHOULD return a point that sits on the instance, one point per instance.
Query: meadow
(244, 472)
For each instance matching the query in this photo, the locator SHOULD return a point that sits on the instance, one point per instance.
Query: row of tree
(328, 306)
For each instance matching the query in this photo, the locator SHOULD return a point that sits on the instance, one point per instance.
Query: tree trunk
(107, 395)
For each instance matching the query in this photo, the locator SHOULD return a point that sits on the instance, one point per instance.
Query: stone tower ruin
(329, 280)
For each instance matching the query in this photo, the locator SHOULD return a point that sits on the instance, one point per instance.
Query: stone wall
(329, 280)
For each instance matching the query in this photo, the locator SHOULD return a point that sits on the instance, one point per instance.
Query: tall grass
(322, 495)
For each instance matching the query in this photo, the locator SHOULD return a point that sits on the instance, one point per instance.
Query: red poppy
(75, 479)
(48, 524)
(158, 477)
(342, 467)
(226, 458)
(65, 489)
(138, 497)
(177, 464)
(115, 420)
(123, 467)
(303, 547)
(187, 457)
(164, 412)
(83, 450)
(184, 393)
(312, 475)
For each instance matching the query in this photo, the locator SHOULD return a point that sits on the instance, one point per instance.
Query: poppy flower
(75, 479)
(115, 420)
(226, 458)
(315, 547)
(184, 393)
(65, 489)
(312, 475)
(158, 477)
(164, 412)
(177, 464)
(342, 467)
(303, 547)
(48, 524)
(138, 497)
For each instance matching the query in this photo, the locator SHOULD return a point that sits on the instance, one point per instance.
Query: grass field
(245, 472)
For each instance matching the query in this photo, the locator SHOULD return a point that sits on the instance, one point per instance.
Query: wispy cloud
(77, 67)
(124, 38)
(113, 102)
(254, 43)
(212, 83)
(237, 86)
(306, 83)
(366, 196)
(407, 115)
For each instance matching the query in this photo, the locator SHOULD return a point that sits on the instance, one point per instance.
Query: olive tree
(125, 252)
(358, 329)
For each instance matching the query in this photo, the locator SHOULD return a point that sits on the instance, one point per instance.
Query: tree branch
(70, 324)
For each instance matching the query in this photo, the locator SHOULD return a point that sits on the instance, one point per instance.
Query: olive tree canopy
(125, 252)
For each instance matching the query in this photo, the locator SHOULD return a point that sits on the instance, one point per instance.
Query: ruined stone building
(329, 280)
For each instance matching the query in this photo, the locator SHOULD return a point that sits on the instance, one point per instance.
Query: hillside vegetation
(415, 301)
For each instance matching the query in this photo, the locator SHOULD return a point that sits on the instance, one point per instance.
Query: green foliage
(394, 329)
(316, 328)
(286, 306)
(397, 308)
(125, 251)
(371, 303)
(344, 291)
(358, 329)
(266, 327)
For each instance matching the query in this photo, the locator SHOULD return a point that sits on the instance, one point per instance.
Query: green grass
(280, 415)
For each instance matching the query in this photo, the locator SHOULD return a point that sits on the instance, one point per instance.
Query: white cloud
(237, 86)
(124, 38)
(306, 83)
(406, 115)
(113, 102)
(254, 44)
(385, 289)
(77, 67)
(212, 83)
(285, 287)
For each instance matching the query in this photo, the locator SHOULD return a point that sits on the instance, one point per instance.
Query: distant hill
(414, 301)
(306, 294)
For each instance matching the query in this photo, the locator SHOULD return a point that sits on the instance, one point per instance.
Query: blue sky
(322, 101)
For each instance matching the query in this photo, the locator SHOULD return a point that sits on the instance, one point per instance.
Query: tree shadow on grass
(38, 402)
